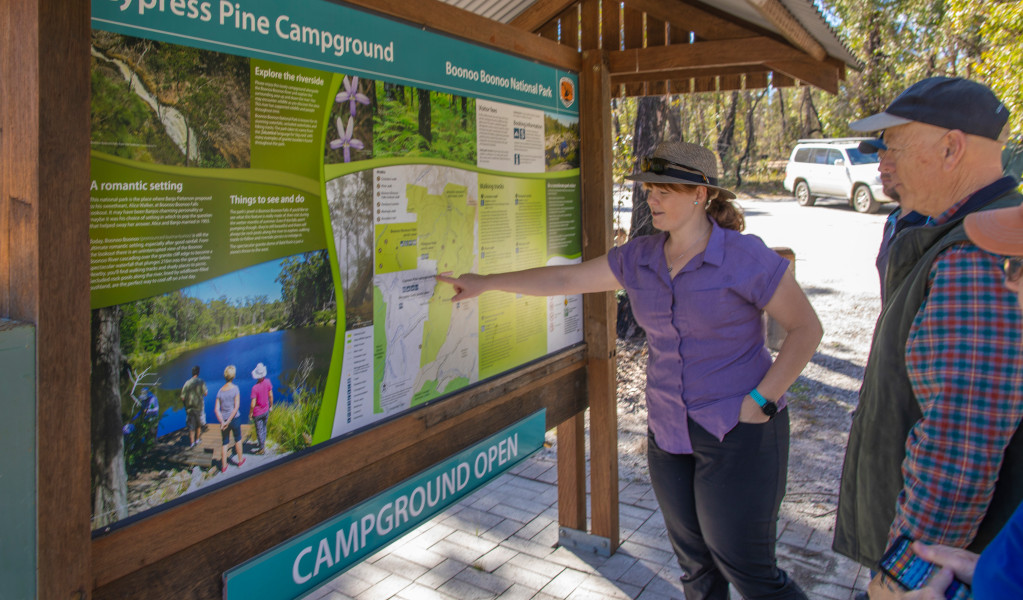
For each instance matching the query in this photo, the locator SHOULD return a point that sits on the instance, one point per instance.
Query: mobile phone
(912, 572)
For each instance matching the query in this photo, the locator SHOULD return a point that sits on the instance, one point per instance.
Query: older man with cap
(933, 452)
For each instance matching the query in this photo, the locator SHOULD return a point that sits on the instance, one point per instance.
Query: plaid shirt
(963, 361)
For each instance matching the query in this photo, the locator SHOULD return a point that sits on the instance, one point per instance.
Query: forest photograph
(276, 319)
(167, 104)
(350, 202)
(561, 146)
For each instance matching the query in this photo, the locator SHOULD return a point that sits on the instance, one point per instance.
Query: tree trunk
(726, 139)
(651, 112)
(109, 479)
(751, 138)
(425, 119)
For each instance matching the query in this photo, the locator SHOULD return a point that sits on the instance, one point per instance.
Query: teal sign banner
(338, 38)
(306, 561)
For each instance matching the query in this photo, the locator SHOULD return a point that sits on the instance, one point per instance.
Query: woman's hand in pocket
(750, 412)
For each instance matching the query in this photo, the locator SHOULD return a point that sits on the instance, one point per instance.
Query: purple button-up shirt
(704, 329)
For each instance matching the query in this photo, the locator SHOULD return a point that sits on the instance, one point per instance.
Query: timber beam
(775, 12)
(716, 54)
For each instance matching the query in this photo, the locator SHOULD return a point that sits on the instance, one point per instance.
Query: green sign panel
(310, 559)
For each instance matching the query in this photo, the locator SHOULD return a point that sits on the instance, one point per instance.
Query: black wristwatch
(768, 407)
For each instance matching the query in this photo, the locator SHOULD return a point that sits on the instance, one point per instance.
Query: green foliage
(396, 126)
(290, 426)
(139, 440)
(307, 289)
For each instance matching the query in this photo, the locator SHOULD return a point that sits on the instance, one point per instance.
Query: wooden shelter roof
(680, 46)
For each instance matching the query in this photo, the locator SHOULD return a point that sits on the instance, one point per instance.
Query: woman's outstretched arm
(593, 275)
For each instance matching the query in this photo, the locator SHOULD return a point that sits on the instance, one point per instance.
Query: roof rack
(844, 140)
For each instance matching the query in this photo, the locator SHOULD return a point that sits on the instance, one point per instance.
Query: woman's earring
(696, 202)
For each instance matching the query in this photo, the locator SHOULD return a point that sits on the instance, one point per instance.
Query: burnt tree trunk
(425, 118)
(651, 116)
(109, 478)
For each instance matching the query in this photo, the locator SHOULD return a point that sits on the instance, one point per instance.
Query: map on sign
(428, 344)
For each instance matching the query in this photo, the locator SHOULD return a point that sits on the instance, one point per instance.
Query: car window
(803, 155)
(858, 158)
(834, 155)
(820, 156)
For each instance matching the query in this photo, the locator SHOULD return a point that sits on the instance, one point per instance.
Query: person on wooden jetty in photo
(227, 406)
(262, 400)
(193, 397)
(718, 425)
(935, 451)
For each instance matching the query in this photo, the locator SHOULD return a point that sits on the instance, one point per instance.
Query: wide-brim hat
(259, 372)
(946, 102)
(681, 162)
(999, 231)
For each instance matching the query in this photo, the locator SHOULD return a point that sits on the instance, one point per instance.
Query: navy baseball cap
(947, 102)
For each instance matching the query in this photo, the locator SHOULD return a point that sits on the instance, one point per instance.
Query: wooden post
(572, 472)
(44, 262)
(599, 309)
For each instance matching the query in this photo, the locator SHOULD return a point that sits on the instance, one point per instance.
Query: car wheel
(863, 201)
(803, 197)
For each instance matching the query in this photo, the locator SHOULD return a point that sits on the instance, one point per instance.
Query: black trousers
(720, 506)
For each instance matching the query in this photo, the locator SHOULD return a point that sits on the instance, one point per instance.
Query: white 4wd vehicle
(835, 167)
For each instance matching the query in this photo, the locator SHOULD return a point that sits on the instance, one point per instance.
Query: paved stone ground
(502, 542)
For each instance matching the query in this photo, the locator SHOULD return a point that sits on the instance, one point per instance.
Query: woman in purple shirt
(718, 441)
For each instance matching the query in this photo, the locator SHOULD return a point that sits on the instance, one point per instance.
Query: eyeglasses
(1013, 268)
(660, 166)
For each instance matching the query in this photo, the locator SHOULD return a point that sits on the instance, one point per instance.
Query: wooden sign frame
(181, 551)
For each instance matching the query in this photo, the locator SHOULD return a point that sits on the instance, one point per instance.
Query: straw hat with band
(998, 231)
(681, 162)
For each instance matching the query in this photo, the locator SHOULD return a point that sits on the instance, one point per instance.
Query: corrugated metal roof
(502, 11)
(804, 11)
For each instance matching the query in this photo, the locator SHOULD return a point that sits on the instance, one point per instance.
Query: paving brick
(421, 592)
(546, 568)
(511, 512)
(648, 594)
(462, 590)
(535, 526)
(418, 555)
(582, 561)
(666, 583)
(521, 576)
(564, 584)
(442, 573)
(457, 551)
(471, 541)
(385, 589)
(396, 564)
(431, 534)
(646, 553)
(502, 531)
(492, 560)
(617, 564)
(606, 589)
(331, 595)
(549, 535)
(472, 519)
(492, 582)
(525, 546)
(347, 585)
(796, 534)
(518, 592)
(367, 572)
(639, 574)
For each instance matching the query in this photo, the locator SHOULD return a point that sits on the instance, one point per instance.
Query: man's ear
(953, 147)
